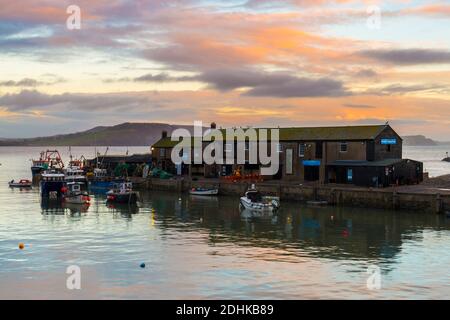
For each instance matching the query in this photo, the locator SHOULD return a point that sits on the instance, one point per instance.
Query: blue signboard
(388, 141)
(349, 175)
(311, 163)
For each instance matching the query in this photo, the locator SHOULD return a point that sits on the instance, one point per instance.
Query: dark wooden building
(358, 155)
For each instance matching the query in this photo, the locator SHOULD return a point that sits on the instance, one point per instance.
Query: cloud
(434, 10)
(405, 89)
(359, 106)
(163, 77)
(25, 82)
(273, 84)
(293, 87)
(230, 79)
(32, 99)
(409, 56)
(366, 73)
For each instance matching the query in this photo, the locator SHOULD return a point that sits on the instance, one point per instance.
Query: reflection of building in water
(334, 233)
(52, 207)
(58, 207)
(124, 210)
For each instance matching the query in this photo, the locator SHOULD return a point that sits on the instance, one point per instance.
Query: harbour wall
(336, 196)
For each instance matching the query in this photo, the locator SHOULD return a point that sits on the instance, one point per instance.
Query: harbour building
(369, 155)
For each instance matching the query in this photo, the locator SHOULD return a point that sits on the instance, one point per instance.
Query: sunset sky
(247, 62)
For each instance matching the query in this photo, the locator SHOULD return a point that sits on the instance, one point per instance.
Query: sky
(237, 63)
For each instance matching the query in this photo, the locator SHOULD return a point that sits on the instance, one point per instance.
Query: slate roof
(347, 133)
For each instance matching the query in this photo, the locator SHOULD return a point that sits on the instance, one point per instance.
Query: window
(301, 150)
(344, 147)
(388, 148)
(319, 150)
(162, 152)
(279, 148)
(247, 145)
(350, 175)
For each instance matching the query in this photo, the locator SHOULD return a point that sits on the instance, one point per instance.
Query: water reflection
(123, 210)
(52, 206)
(59, 207)
(197, 247)
(331, 233)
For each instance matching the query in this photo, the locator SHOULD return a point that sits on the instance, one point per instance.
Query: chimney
(164, 134)
(213, 125)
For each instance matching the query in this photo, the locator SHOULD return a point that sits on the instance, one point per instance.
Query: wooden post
(395, 200)
(438, 204)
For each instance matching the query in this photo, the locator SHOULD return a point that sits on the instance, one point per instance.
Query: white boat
(74, 174)
(255, 201)
(74, 195)
(24, 183)
(204, 191)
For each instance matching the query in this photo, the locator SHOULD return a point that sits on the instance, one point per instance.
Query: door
(312, 173)
(289, 157)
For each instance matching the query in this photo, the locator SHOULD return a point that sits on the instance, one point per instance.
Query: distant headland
(140, 134)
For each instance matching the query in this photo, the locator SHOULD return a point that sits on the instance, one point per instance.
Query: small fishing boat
(52, 184)
(23, 183)
(99, 179)
(254, 200)
(447, 158)
(50, 159)
(73, 194)
(122, 193)
(204, 191)
(74, 174)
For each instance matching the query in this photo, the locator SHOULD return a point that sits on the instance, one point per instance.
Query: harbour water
(197, 248)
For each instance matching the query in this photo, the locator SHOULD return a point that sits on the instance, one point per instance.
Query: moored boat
(73, 193)
(74, 174)
(23, 183)
(122, 193)
(447, 158)
(49, 159)
(204, 191)
(254, 200)
(99, 179)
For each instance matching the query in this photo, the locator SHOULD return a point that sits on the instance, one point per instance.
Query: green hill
(125, 134)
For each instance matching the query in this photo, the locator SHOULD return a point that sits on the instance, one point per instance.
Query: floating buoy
(142, 265)
(21, 246)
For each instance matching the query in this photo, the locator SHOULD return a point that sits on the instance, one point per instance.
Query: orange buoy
(21, 246)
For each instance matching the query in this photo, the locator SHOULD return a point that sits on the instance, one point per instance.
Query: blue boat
(101, 180)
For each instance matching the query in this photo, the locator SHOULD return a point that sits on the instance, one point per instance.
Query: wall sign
(311, 163)
(389, 141)
(349, 175)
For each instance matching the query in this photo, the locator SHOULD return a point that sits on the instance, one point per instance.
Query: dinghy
(255, 201)
(204, 191)
(24, 183)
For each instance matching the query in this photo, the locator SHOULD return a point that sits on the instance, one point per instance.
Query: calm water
(205, 248)
(431, 158)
